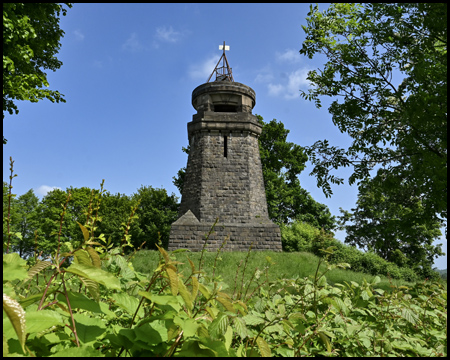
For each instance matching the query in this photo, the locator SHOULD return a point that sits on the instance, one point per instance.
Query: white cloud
(296, 80)
(289, 89)
(289, 55)
(203, 70)
(168, 34)
(264, 76)
(44, 189)
(78, 35)
(275, 89)
(132, 44)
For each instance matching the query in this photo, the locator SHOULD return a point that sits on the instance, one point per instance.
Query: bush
(298, 236)
(301, 236)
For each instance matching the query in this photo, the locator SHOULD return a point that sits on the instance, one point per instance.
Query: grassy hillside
(281, 266)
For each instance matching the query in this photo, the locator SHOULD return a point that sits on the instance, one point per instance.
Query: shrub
(298, 236)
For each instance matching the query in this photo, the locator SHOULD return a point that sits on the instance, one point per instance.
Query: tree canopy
(31, 40)
(282, 162)
(392, 222)
(386, 72)
(34, 220)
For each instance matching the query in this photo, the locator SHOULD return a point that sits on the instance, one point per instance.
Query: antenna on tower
(223, 73)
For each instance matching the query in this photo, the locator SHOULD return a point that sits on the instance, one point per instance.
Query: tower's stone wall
(224, 176)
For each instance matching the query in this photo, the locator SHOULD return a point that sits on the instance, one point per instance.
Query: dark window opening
(225, 146)
(225, 108)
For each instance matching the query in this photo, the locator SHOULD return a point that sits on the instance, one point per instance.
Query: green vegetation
(34, 220)
(301, 236)
(101, 306)
(399, 124)
(31, 36)
(401, 231)
(91, 300)
(279, 266)
(386, 73)
(75, 280)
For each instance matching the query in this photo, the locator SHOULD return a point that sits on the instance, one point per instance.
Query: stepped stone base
(189, 233)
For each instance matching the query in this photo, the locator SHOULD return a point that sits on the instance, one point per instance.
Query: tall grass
(272, 266)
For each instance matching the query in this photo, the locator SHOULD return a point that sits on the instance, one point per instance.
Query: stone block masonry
(224, 176)
(188, 233)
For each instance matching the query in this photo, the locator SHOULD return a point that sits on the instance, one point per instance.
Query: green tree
(386, 71)
(50, 215)
(282, 162)
(9, 206)
(156, 212)
(26, 222)
(31, 40)
(115, 212)
(391, 221)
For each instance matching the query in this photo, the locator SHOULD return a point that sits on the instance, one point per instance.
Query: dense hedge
(301, 236)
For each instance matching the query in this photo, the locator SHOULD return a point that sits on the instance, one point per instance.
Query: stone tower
(224, 177)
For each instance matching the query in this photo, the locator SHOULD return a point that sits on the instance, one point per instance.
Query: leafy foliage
(300, 236)
(100, 306)
(391, 221)
(388, 64)
(32, 221)
(148, 315)
(156, 212)
(282, 162)
(31, 36)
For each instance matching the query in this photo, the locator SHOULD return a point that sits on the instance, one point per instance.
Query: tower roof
(223, 73)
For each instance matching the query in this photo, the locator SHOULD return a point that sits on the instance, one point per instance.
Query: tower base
(189, 233)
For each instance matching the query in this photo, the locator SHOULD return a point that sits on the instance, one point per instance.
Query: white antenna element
(227, 47)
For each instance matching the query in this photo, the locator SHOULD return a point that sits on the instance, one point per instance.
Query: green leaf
(14, 267)
(169, 300)
(16, 315)
(253, 320)
(95, 258)
(216, 346)
(189, 326)
(80, 301)
(375, 280)
(226, 303)
(185, 294)
(38, 321)
(173, 280)
(80, 352)
(195, 284)
(204, 290)
(37, 268)
(228, 337)
(365, 341)
(193, 348)
(409, 315)
(81, 256)
(325, 340)
(85, 232)
(128, 303)
(152, 333)
(95, 274)
(88, 328)
(218, 326)
(263, 347)
(241, 329)
(34, 298)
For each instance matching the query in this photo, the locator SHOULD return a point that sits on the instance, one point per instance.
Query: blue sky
(128, 74)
